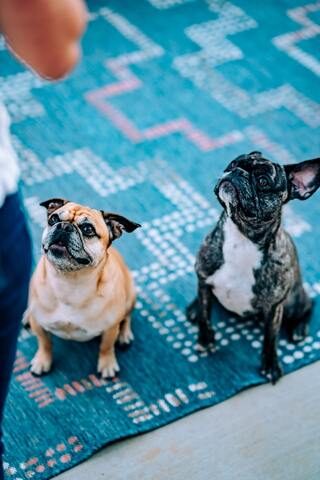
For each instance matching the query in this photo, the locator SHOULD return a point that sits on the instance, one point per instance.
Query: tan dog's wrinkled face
(77, 236)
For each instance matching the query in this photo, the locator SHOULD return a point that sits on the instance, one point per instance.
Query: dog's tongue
(58, 243)
(58, 248)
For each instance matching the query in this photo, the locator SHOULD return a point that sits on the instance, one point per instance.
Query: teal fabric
(167, 93)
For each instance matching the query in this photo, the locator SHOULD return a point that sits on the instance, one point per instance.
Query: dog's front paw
(41, 363)
(271, 369)
(206, 338)
(108, 366)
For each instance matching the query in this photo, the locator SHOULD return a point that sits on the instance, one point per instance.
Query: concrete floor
(265, 433)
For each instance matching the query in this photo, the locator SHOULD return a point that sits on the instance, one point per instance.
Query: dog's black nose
(67, 227)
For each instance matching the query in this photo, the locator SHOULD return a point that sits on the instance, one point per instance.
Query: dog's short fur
(248, 263)
(81, 287)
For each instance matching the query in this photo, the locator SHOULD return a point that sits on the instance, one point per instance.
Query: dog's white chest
(73, 324)
(232, 283)
(70, 331)
(73, 321)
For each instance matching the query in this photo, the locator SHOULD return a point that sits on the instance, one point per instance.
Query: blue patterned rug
(167, 93)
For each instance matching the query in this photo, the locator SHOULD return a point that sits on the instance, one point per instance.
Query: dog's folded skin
(249, 263)
(81, 287)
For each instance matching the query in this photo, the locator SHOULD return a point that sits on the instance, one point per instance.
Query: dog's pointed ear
(303, 178)
(53, 204)
(117, 224)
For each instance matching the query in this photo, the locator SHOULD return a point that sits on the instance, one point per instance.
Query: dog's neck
(86, 279)
(262, 234)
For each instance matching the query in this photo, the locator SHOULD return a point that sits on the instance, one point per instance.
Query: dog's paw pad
(40, 364)
(108, 367)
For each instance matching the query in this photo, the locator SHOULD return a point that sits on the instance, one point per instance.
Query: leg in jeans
(15, 268)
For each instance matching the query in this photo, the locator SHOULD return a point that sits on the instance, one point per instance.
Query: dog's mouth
(58, 248)
(227, 194)
(228, 191)
(229, 197)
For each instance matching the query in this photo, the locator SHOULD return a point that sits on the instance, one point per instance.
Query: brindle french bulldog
(249, 263)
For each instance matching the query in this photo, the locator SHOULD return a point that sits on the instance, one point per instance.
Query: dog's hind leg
(297, 316)
(300, 327)
(192, 311)
(26, 319)
(125, 335)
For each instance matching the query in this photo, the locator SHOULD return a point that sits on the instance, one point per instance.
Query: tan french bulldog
(81, 287)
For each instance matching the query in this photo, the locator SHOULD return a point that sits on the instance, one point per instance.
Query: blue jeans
(15, 270)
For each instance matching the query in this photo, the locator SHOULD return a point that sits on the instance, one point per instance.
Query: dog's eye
(53, 219)
(233, 165)
(263, 181)
(87, 230)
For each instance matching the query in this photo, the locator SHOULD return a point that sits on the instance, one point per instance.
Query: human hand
(44, 34)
